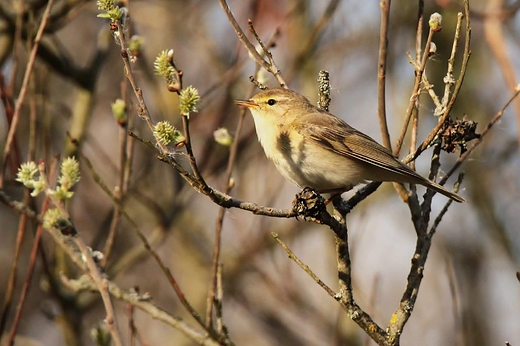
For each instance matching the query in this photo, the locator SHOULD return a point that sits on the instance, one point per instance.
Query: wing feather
(334, 134)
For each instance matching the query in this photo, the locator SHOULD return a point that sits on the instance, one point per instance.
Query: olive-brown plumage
(314, 148)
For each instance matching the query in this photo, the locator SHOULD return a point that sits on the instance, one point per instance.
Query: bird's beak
(246, 103)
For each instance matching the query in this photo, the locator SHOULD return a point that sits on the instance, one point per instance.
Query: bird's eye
(271, 102)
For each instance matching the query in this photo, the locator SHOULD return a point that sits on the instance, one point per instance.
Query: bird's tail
(442, 190)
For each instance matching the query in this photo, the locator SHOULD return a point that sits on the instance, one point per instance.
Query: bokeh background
(470, 294)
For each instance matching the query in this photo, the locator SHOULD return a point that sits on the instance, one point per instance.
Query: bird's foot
(309, 204)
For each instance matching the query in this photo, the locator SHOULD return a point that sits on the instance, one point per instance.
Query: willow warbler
(311, 147)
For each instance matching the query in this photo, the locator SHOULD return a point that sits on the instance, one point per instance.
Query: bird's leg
(333, 197)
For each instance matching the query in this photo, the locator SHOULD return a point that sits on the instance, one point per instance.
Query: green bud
(189, 98)
(70, 175)
(435, 21)
(223, 137)
(105, 5)
(26, 172)
(135, 45)
(61, 193)
(166, 133)
(101, 336)
(26, 175)
(162, 65)
(111, 11)
(37, 186)
(51, 218)
(119, 111)
(433, 49)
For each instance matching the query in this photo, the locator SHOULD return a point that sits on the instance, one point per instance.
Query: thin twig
(101, 282)
(222, 212)
(19, 207)
(125, 164)
(219, 298)
(413, 140)
(265, 50)
(373, 301)
(424, 211)
(23, 89)
(269, 66)
(142, 108)
(201, 337)
(419, 31)
(17, 43)
(415, 94)
(415, 113)
(362, 194)
(32, 263)
(189, 151)
(8, 102)
(381, 80)
(448, 79)
(312, 38)
(465, 58)
(439, 217)
(305, 267)
(219, 197)
(11, 282)
(426, 84)
(345, 296)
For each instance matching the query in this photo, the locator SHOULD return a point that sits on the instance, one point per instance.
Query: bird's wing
(332, 133)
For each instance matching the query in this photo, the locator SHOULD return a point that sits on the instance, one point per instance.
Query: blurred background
(470, 294)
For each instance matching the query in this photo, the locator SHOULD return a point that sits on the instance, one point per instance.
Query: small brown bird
(311, 147)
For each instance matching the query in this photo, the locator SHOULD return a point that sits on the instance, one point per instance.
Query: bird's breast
(305, 163)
